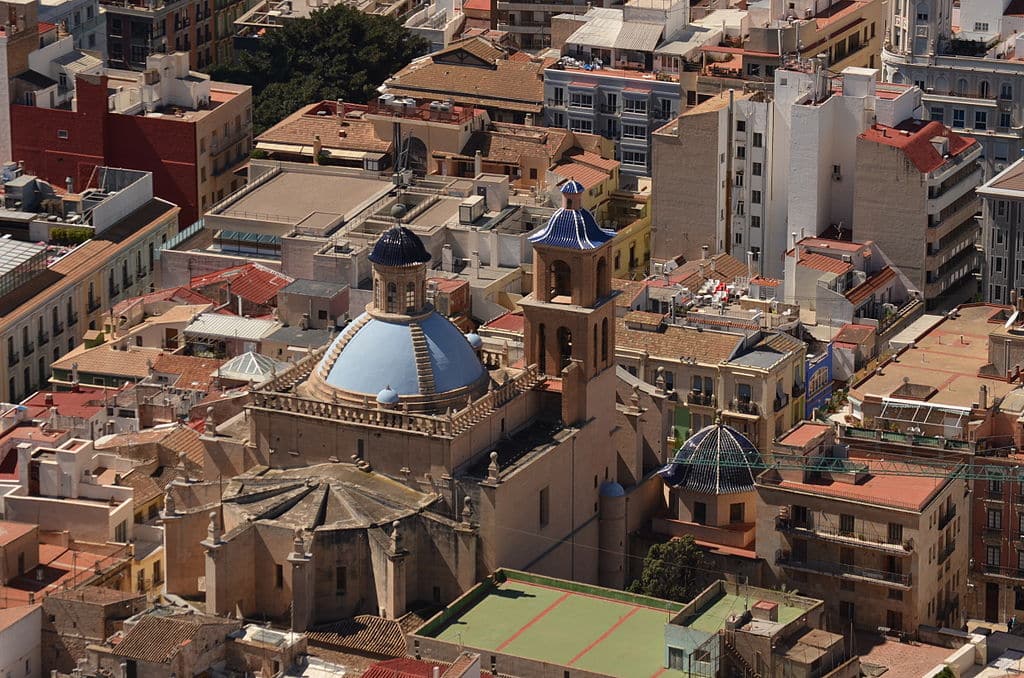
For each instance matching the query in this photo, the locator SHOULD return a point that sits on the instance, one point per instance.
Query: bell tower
(570, 315)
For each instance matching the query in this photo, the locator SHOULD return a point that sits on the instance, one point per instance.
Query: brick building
(192, 140)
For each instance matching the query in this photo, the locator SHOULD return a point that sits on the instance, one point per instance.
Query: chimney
(436, 673)
(318, 147)
(48, 399)
(1013, 298)
(983, 397)
(304, 322)
(70, 183)
(941, 145)
(703, 251)
(478, 164)
(74, 376)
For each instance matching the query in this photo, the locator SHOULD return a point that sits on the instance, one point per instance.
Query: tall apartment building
(881, 550)
(921, 176)
(528, 22)
(1002, 234)
(972, 74)
(768, 166)
(191, 133)
(47, 301)
(137, 29)
(81, 18)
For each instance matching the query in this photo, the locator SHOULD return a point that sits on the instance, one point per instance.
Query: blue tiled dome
(717, 459)
(387, 396)
(474, 340)
(379, 355)
(572, 229)
(572, 187)
(398, 246)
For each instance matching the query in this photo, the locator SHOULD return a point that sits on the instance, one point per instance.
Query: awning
(918, 412)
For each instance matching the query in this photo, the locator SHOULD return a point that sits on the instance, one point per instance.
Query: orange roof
(478, 5)
(252, 282)
(588, 176)
(9, 531)
(194, 373)
(863, 291)
(803, 434)
(898, 491)
(350, 132)
(513, 321)
(914, 137)
(765, 282)
(824, 263)
(854, 334)
(84, 403)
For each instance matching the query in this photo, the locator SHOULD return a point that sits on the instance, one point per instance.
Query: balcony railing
(847, 537)
(780, 402)
(72, 319)
(42, 338)
(93, 305)
(798, 389)
(946, 516)
(12, 358)
(28, 347)
(700, 398)
(844, 570)
(745, 407)
(946, 552)
(58, 328)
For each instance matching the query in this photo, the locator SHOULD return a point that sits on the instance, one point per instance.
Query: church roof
(398, 246)
(573, 229)
(376, 354)
(717, 459)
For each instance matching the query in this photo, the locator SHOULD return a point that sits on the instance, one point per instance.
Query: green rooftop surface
(711, 618)
(616, 636)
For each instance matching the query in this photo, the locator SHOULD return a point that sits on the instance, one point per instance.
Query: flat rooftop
(947, 359)
(293, 196)
(712, 616)
(903, 660)
(559, 622)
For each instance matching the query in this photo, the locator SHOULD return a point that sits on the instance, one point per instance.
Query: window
(995, 487)
(959, 116)
(981, 26)
(755, 197)
(340, 580)
(937, 113)
(981, 120)
(736, 512)
(741, 125)
(755, 169)
(581, 100)
(894, 620)
(700, 512)
(846, 556)
(634, 106)
(741, 152)
(801, 516)
(895, 594)
(758, 138)
(846, 523)
(994, 519)
(1018, 597)
(634, 132)
(545, 505)
(895, 533)
(1006, 91)
(755, 222)
(1005, 120)
(634, 158)
(753, 69)
(62, 134)
(121, 532)
(846, 610)
(582, 126)
(992, 556)
(278, 576)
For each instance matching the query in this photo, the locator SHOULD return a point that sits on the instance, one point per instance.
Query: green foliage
(258, 154)
(337, 53)
(674, 570)
(71, 235)
(946, 672)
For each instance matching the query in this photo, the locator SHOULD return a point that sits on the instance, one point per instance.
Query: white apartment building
(973, 79)
(782, 167)
(1002, 234)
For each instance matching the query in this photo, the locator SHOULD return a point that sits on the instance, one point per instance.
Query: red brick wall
(167, 148)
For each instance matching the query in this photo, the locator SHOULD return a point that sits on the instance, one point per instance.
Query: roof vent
(941, 145)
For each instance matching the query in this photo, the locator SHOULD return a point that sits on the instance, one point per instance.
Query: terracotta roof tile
(854, 334)
(106, 360)
(876, 282)
(724, 267)
(156, 639)
(708, 347)
(631, 291)
(194, 373)
(914, 139)
(350, 133)
(824, 263)
(586, 175)
(365, 633)
(252, 282)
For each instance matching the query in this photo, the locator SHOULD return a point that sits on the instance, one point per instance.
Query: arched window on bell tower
(560, 280)
(564, 346)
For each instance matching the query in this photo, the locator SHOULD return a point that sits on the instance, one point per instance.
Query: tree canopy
(337, 53)
(674, 570)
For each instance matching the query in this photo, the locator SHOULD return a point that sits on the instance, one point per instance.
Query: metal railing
(842, 569)
(700, 398)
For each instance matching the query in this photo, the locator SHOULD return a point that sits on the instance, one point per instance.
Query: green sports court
(559, 622)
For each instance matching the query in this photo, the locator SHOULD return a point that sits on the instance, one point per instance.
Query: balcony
(946, 552)
(700, 398)
(220, 145)
(28, 347)
(58, 328)
(42, 338)
(798, 389)
(846, 571)
(12, 358)
(114, 290)
(93, 305)
(1014, 573)
(556, 103)
(780, 402)
(946, 516)
(846, 538)
(72, 319)
(745, 407)
(610, 110)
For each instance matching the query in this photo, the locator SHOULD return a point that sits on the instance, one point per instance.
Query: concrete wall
(20, 646)
(24, 549)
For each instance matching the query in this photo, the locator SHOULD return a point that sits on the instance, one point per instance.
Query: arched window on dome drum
(561, 279)
(542, 359)
(564, 346)
(378, 300)
(604, 340)
(410, 297)
(603, 281)
(392, 301)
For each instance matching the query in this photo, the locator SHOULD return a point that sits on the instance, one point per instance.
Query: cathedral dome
(717, 459)
(398, 246)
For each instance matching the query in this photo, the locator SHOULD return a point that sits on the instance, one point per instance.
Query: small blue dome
(610, 488)
(387, 396)
(379, 354)
(717, 459)
(398, 246)
(572, 187)
(572, 229)
(474, 340)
